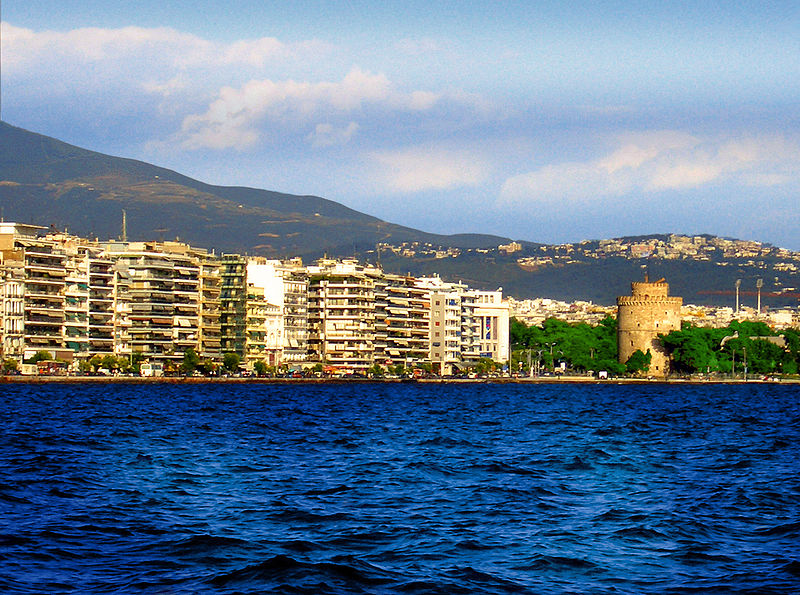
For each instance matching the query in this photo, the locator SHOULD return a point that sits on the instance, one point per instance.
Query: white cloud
(660, 161)
(418, 168)
(161, 47)
(243, 111)
(639, 148)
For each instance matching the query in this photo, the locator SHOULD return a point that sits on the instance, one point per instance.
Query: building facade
(341, 314)
(77, 299)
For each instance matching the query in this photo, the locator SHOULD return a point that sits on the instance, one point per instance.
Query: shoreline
(291, 381)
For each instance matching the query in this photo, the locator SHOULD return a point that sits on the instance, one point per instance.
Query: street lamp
(539, 353)
(551, 353)
(744, 349)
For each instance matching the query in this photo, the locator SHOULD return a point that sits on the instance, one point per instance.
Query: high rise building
(341, 313)
(77, 299)
(156, 300)
(34, 272)
(264, 309)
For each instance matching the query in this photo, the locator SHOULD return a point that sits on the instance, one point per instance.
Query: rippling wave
(402, 488)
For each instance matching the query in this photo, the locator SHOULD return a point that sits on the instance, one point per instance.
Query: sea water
(399, 488)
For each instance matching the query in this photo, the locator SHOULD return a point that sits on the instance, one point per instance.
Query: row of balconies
(45, 267)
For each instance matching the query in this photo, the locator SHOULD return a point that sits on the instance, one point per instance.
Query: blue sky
(544, 121)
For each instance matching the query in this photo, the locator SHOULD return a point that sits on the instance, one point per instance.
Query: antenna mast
(738, 285)
(1, 61)
(759, 285)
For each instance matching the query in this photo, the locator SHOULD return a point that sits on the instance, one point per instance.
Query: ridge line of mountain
(48, 182)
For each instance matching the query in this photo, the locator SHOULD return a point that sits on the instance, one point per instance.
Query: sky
(542, 121)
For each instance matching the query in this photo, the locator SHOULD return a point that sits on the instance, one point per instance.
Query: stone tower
(641, 317)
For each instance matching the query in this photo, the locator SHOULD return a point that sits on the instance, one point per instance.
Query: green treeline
(693, 349)
(727, 350)
(581, 346)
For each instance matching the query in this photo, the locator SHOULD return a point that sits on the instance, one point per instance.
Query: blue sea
(399, 488)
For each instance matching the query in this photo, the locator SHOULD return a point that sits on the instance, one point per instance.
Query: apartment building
(233, 303)
(89, 296)
(492, 315)
(401, 320)
(263, 328)
(264, 314)
(77, 298)
(209, 327)
(295, 311)
(34, 272)
(156, 299)
(451, 325)
(341, 313)
(465, 325)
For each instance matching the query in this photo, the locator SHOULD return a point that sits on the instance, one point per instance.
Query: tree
(206, 366)
(485, 366)
(137, 358)
(260, 368)
(580, 345)
(190, 361)
(10, 365)
(230, 361)
(96, 362)
(398, 370)
(39, 356)
(790, 361)
(110, 362)
(691, 349)
(638, 362)
(376, 371)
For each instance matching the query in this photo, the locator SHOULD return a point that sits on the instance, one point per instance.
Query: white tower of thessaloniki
(641, 317)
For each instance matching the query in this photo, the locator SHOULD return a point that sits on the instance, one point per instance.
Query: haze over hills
(48, 182)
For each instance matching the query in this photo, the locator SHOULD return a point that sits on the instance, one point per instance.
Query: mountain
(48, 182)
(701, 269)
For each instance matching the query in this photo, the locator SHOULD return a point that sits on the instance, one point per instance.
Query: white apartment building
(77, 298)
(492, 314)
(263, 328)
(465, 325)
(265, 309)
(156, 299)
(34, 271)
(341, 313)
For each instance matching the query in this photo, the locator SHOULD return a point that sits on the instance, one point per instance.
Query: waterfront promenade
(566, 379)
